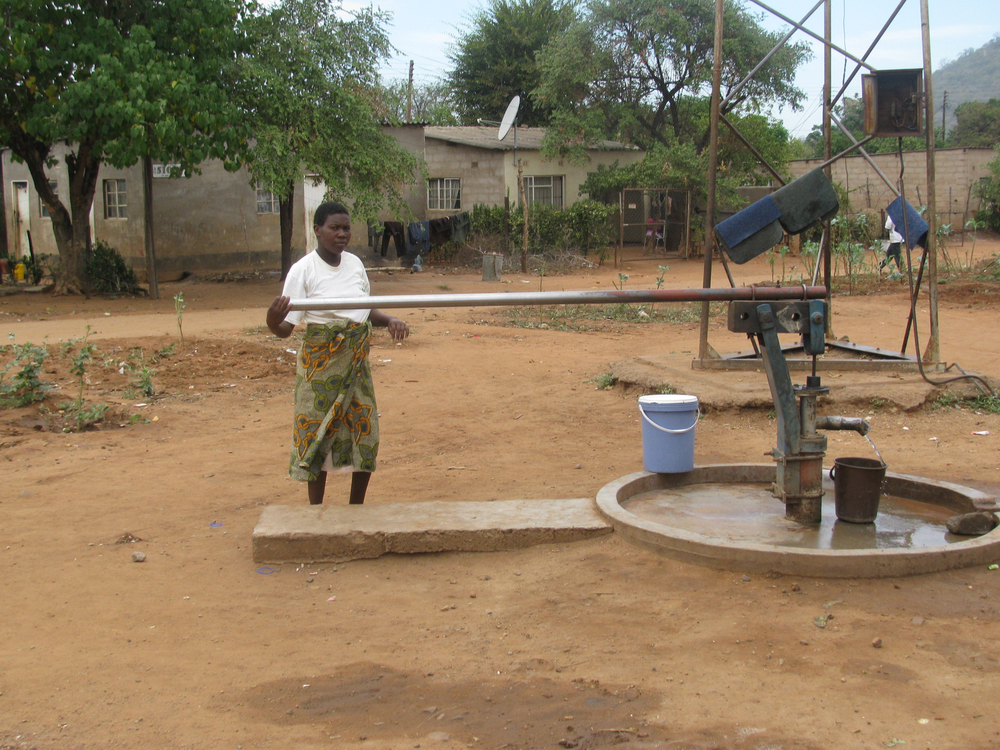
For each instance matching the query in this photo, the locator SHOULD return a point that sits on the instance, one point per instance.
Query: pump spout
(857, 424)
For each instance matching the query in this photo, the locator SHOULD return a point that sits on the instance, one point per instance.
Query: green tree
(988, 190)
(495, 59)
(640, 71)
(430, 103)
(978, 125)
(309, 87)
(851, 114)
(672, 166)
(115, 81)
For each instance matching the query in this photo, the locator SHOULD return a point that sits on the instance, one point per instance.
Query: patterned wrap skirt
(335, 412)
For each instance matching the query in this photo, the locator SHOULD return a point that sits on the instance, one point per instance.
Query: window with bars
(444, 193)
(267, 202)
(545, 190)
(115, 202)
(54, 187)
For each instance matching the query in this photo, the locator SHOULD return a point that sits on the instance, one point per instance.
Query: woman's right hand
(276, 314)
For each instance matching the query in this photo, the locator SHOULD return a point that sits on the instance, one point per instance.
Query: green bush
(547, 228)
(590, 225)
(988, 190)
(36, 268)
(488, 220)
(24, 386)
(583, 227)
(108, 271)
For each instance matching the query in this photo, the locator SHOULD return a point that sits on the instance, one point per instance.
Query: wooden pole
(828, 150)
(409, 94)
(524, 213)
(147, 184)
(704, 349)
(932, 352)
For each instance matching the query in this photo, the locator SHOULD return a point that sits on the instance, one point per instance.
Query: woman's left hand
(398, 329)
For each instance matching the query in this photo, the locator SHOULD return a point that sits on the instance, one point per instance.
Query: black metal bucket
(857, 488)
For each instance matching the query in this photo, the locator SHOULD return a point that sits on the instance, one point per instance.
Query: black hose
(983, 385)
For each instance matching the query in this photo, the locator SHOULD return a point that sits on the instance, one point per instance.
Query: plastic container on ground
(668, 427)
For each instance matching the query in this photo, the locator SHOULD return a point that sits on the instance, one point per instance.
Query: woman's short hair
(327, 209)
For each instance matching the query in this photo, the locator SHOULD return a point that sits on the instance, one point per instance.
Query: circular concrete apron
(723, 515)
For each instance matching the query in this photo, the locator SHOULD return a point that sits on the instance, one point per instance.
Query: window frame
(269, 199)
(443, 190)
(118, 208)
(531, 189)
(42, 210)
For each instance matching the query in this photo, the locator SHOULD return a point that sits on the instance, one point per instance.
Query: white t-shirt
(894, 236)
(312, 277)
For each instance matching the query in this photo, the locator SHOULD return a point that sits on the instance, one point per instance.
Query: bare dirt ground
(585, 645)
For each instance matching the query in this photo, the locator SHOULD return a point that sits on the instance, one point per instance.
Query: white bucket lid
(673, 399)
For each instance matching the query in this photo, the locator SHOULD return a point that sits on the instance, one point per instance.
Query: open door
(314, 193)
(22, 220)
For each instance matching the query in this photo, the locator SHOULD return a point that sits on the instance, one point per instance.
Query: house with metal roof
(468, 165)
(220, 221)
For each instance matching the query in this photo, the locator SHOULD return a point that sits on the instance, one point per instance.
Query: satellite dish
(508, 117)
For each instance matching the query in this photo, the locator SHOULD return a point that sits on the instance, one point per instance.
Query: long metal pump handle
(562, 298)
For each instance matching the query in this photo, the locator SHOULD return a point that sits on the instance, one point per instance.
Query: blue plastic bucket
(668, 423)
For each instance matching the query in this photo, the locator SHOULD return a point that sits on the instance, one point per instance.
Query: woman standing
(336, 420)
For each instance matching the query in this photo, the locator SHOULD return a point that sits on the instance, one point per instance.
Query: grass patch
(604, 381)
(981, 404)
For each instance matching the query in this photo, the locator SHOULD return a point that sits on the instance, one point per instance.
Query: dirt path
(584, 645)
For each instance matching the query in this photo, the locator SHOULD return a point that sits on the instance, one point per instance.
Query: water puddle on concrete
(748, 513)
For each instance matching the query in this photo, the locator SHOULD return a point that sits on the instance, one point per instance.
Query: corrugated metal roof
(485, 136)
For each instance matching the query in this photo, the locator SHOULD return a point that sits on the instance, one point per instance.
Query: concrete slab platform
(336, 533)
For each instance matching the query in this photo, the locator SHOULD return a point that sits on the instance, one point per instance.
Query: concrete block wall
(206, 222)
(480, 170)
(957, 170)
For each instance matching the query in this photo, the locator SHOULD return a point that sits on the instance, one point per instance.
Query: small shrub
(35, 269)
(24, 386)
(604, 381)
(990, 269)
(108, 271)
(82, 413)
(179, 305)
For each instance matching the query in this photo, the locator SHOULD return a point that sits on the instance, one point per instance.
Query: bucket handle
(833, 473)
(667, 429)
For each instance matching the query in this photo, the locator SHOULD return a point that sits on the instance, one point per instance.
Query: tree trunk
(4, 251)
(147, 223)
(83, 170)
(71, 230)
(285, 218)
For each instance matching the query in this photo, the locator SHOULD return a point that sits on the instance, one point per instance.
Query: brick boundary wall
(957, 170)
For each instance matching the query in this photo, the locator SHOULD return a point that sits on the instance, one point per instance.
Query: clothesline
(418, 236)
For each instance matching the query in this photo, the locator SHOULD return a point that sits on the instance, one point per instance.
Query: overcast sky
(425, 32)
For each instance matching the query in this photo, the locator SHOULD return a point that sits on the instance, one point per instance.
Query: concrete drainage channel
(724, 516)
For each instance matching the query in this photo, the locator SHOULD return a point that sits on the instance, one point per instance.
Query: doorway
(22, 220)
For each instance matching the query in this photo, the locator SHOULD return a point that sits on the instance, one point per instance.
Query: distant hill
(972, 77)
